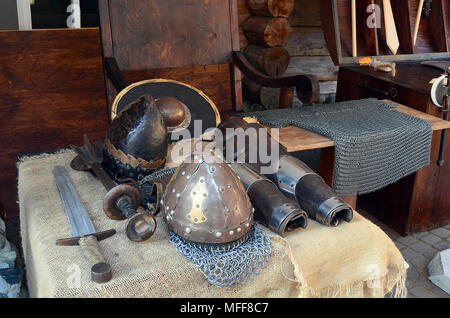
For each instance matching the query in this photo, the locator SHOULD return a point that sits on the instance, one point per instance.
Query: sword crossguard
(73, 241)
(101, 271)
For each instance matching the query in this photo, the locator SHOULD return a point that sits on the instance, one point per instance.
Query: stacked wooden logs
(267, 30)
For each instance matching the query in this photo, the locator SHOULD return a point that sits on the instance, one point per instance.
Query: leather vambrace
(296, 179)
(273, 209)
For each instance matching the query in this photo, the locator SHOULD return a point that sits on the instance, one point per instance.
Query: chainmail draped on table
(225, 268)
(375, 145)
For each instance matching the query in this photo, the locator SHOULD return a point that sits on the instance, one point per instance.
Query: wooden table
(294, 139)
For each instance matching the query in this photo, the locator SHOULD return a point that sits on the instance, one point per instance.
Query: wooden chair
(192, 41)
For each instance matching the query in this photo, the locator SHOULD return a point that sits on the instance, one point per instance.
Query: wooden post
(267, 31)
(273, 8)
(268, 97)
(286, 97)
(272, 61)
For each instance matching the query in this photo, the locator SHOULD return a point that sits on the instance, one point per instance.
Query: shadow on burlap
(353, 260)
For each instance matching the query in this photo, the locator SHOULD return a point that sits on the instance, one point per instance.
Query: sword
(82, 228)
(389, 24)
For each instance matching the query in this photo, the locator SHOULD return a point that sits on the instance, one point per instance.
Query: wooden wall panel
(161, 34)
(306, 14)
(51, 92)
(213, 80)
(243, 14)
(307, 41)
(306, 46)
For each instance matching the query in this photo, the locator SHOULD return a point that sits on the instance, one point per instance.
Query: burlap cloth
(353, 260)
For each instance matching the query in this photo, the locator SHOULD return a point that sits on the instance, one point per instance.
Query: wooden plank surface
(166, 34)
(297, 139)
(307, 41)
(51, 92)
(213, 80)
(306, 13)
(189, 41)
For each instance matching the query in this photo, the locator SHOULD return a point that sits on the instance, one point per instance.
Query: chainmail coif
(225, 268)
(375, 145)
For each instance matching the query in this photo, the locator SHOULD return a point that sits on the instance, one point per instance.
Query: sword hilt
(101, 271)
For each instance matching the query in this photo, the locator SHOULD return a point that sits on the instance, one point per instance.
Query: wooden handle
(100, 271)
(354, 41)
(416, 26)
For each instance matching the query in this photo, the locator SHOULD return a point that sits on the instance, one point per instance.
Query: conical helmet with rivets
(205, 203)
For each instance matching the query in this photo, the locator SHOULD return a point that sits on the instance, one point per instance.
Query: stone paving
(418, 249)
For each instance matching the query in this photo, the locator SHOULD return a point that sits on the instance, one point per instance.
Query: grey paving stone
(409, 254)
(399, 245)
(424, 282)
(430, 253)
(420, 261)
(412, 275)
(433, 289)
(431, 239)
(442, 245)
(420, 234)
(439, 292)
(407, 240)
(410, 295)
(411, 284)
(441, 232)
(421, 292)
(419, 246)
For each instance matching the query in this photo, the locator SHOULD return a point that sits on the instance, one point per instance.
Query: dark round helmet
(198, 107)
(137, 141)
(206, 203)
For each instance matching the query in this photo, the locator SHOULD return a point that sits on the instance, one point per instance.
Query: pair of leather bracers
(286, 198)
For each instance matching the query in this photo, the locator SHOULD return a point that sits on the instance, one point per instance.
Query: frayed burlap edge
(43, 155)
(391, 283)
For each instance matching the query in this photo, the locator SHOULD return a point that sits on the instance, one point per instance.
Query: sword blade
(79, 220)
